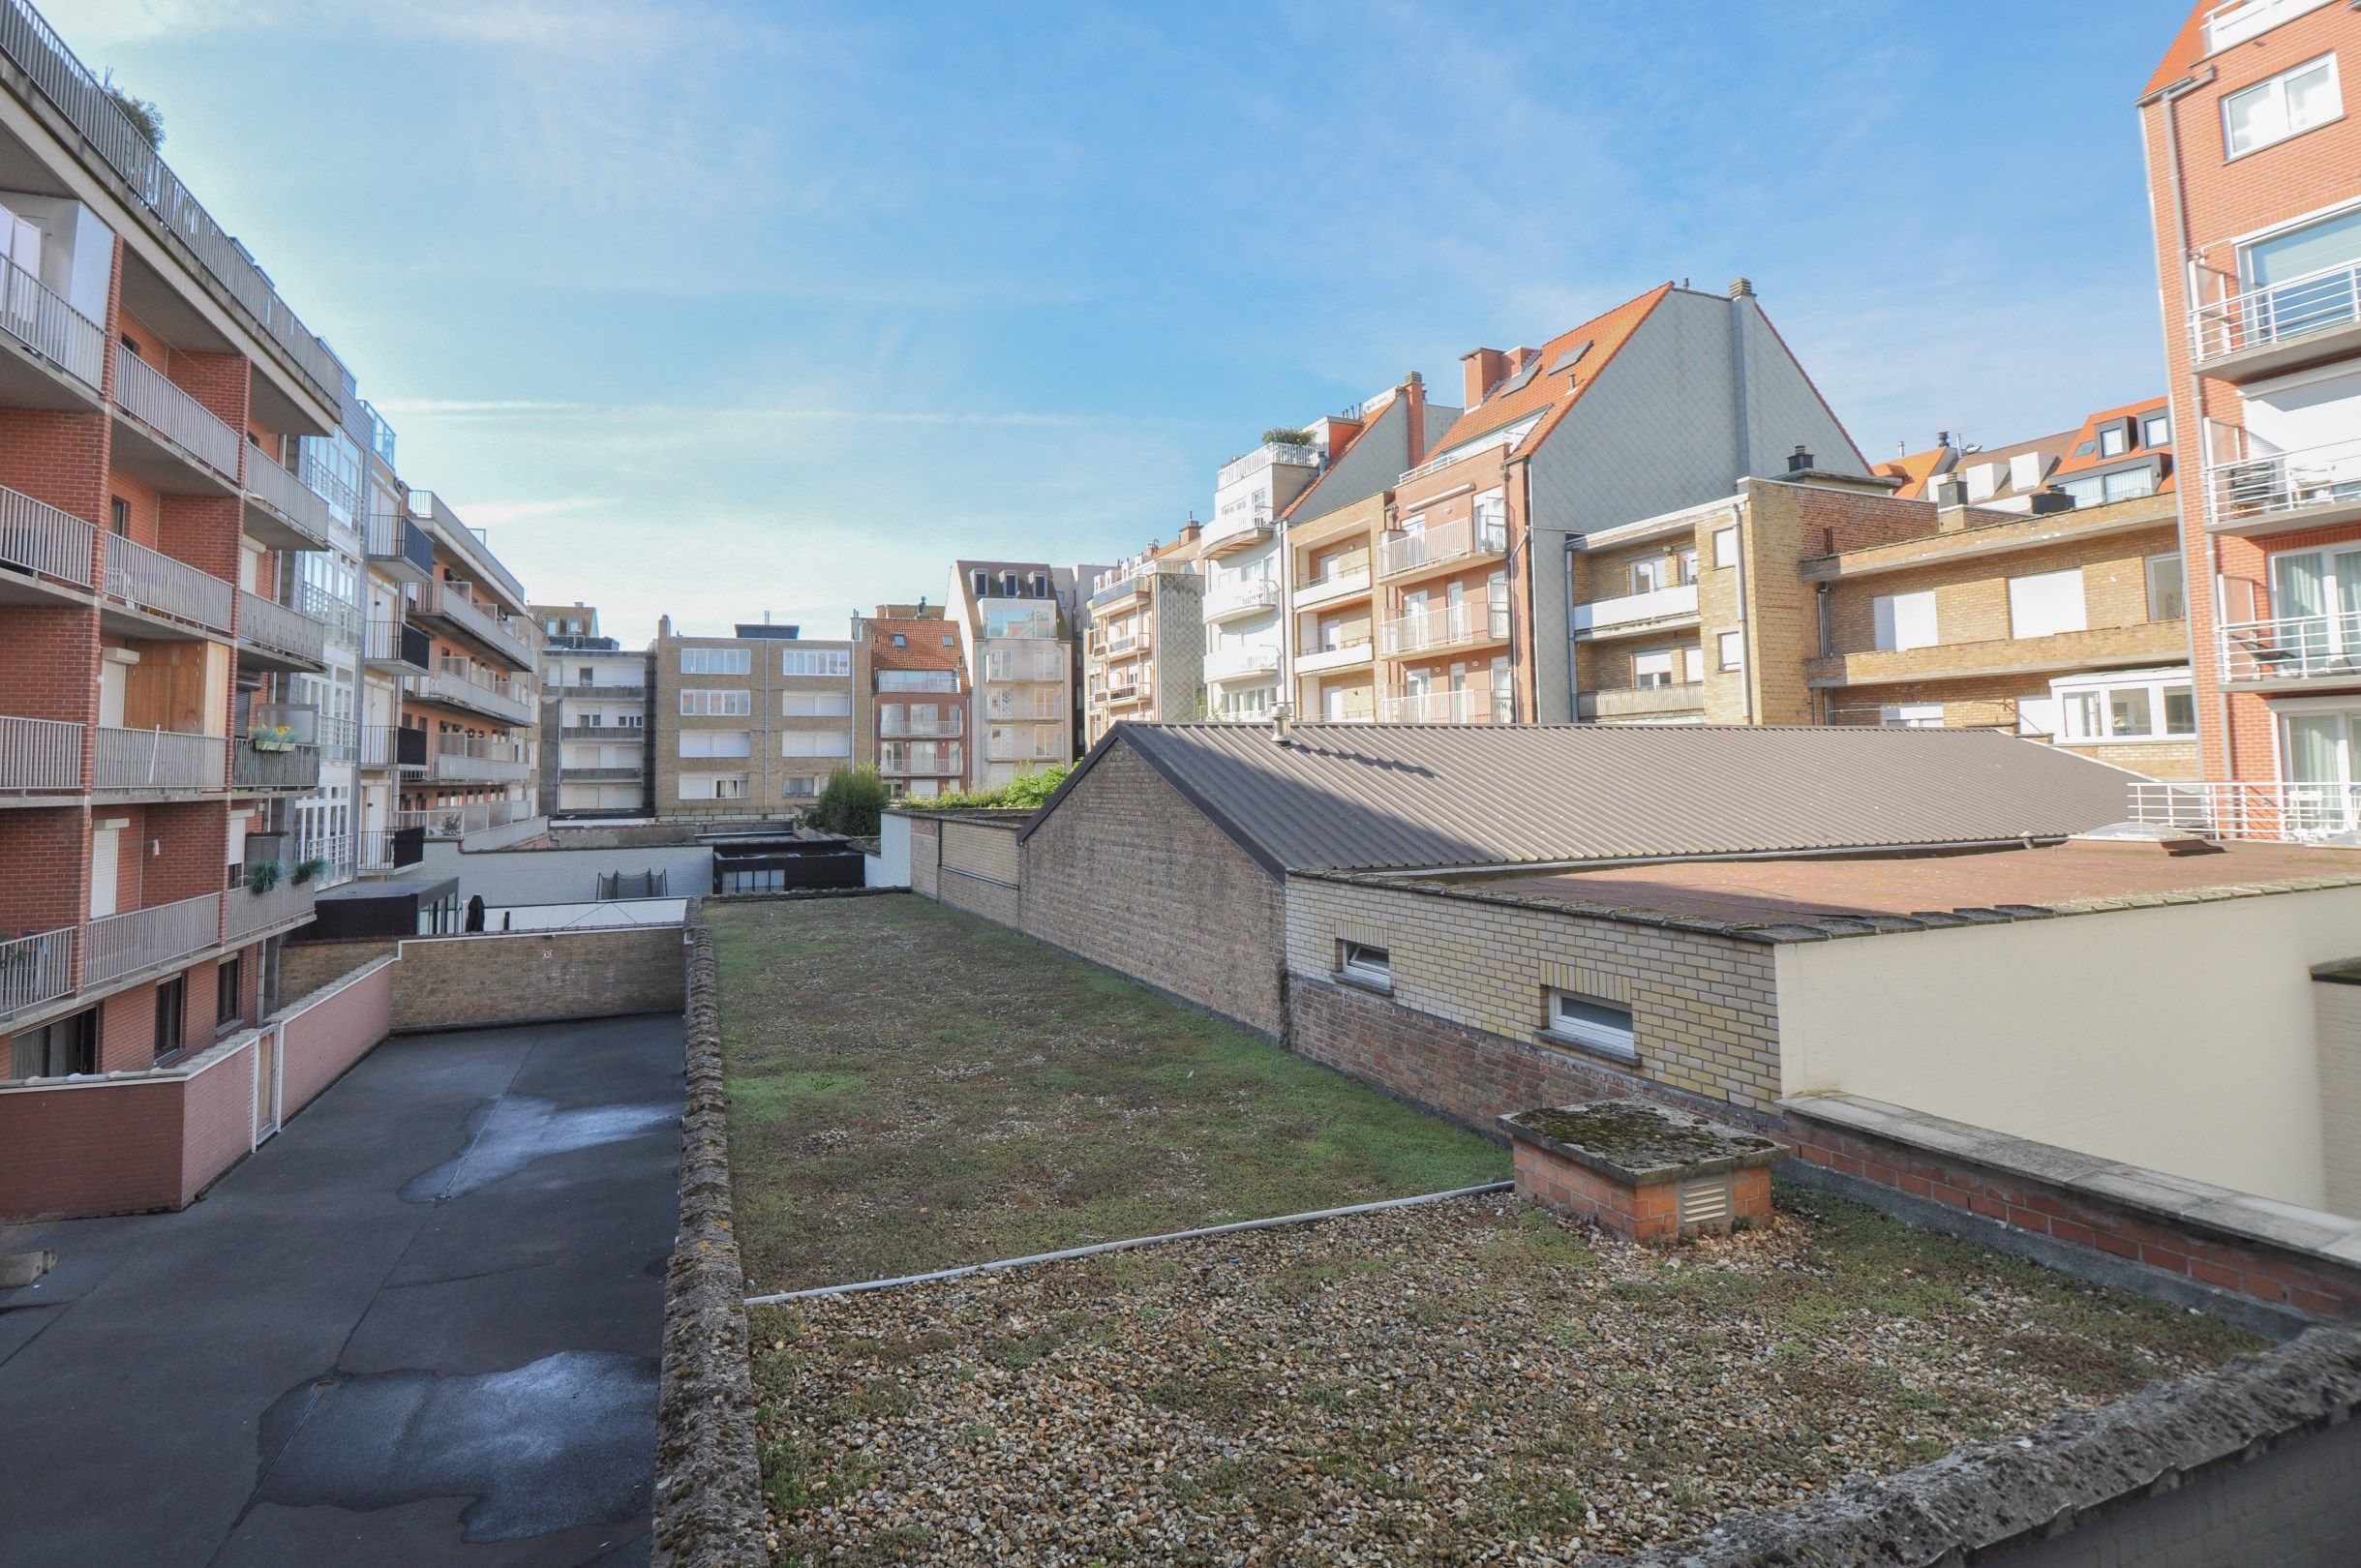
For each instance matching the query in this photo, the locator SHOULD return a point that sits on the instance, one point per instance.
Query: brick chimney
(1483, 367)
(1414, 410)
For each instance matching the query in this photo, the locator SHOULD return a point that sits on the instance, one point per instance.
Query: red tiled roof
(2070, 464)
(1547, 393)
(1914, 470)
(2188, 49)
(926, 639)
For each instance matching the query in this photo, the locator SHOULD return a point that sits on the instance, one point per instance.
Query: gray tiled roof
(1368, 796)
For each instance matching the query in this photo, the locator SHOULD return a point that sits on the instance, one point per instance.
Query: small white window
(1694, 658)
(815, 743)
(1652, 668)
(2287, 105)
(2167, 590)
(2113, 441)
(1733, 648)
(1688, 564)
(1725, 545)
(1911, 716)
(710, 661)
(1593, 1025)
(815, 661)
(716, 744)
(2046, 604)
(2156, 430)
(1646, 575)
(1372, 965)
(1904, 620)
(698, 703)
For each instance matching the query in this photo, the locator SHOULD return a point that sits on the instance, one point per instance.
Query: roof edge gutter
(1955, 846)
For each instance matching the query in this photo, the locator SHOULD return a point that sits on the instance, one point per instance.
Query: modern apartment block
(2251, 153)
(1144, 654)
(751, 725)
(1016, 623)
(477, 700)
(917, 699)
(154, 390)
(594, 730)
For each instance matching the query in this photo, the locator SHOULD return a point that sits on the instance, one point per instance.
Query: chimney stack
(1414, 410)
(1483, 368)
(1798, 460)
(1742, 289)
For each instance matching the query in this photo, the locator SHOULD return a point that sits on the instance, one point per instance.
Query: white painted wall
(2181, 1038)
(890, 866)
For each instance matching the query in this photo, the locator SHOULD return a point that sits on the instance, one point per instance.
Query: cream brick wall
(2337, 1008)
(1704, 1010)
(987, 850)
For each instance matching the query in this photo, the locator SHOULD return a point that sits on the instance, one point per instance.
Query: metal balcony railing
(268, 624)
(396, 541)
(396, 643)
(2280, 811)
(2278, 314)
(464, 542)
(52, 328)
(249, 912)
(392, 746)
(340, 739)
(1448, 626)
(140, 760)
(1039, 706)
(922, 729)
(920, 762)
(1010, 751)
(1639, 609)
(152, 581)
(383, 850)
(480, 759)
(1235, 663)
(1473, 705)
(38, 539)
(455, 684)
(1464, 539)
(37, 970)
(294, 502)
(2293, 648)
(451, 602)
(2259, 489)
(120, 944)
(40, 757)
(256, 768)
(150, 397)
(458, 821)
(1233, 596)
(1288, 454)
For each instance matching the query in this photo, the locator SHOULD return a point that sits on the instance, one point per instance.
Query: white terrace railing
(2278, 810)
(152, 581)
(2293, 648)
(302, 506)
(475, 816)
(2279, 313)
(120, 944)
(2235, 21)
(36, 537)
(1445, 541)
(267, 623)
(453, 602)
(1471, 705)
(148, 395)
(2261, 488)
(1446, 626)
(511, 701)
(52, 328)
(40, 756)
(472, 758)
(136, 760)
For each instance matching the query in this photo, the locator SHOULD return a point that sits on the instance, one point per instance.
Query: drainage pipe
(1097, 1249)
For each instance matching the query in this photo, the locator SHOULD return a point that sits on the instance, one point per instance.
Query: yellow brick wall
(987, 850)
(1972, 594)
(2338, 1009)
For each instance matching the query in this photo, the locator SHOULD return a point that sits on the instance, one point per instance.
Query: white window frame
(1895, 622)
(1731, 648)
(716, 702)
(1653, 680)
(1365, 963)
(716, 661)
(2276, 87)
(2167, 567)
(2025, 598)
(1574, 1019)
(824, 662)
(1725, 547)
(2159, 687)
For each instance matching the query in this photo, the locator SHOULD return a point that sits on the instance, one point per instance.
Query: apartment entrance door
(115, 683)
(106, 867)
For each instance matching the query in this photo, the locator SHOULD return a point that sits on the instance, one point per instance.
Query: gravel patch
(1469, 1382)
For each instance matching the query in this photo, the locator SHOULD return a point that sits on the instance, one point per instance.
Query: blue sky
(719, 308)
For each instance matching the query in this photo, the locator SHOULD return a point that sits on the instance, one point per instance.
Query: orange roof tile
(1548, 392)
(2188, 49)
(1914, 470)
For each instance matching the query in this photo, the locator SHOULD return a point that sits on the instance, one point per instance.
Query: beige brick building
(1143, 656)
(752, 724)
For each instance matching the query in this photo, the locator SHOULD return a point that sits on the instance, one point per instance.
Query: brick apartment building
(594, 712)
(751, 725)
(2251, 153)
(1144, 655)
(1018, 624)
(915, 694)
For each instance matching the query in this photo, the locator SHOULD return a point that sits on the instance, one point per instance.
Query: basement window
(1589, 1025)
(1364, 965)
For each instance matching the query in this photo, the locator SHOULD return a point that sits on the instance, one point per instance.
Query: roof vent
(1283, 729)
(1798, 460)
(1946, 491)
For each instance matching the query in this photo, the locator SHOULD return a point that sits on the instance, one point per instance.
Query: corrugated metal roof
(1366, 797)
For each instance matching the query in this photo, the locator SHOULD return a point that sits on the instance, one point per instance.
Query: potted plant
(307, 869)
(273, 736)
(262, 876)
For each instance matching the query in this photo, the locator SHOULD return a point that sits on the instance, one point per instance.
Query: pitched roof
(924, 639)
(1364, 797)
(1916, 470)
(2188, 49)
(1547, 392)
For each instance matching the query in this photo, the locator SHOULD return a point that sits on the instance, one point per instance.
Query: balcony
(473, 759)
(394, 645)
(461, 822)
(895, 726)
(1242, 530)
(1120, 593)
(392, 746)
(272, 636)
(2263, 331)
(382, 852)
(1025, 707)
(2317, 487)
(2235, 21)
(156, 584)
(1471, 705)
(600, 694)
(42, 542)
(463, 541)
(248, 914)
(912, 762)
(1328, 589)
(1228, 598)
(173, 437)
(264, 769)
(2292, 653)
(1612, 705)
(450, 606)
(455, 685)
(2280, 811)
(398, 548)
(119, 945)
(1241, 663)
(51, 339)
(1022, 660)
(1343, 655)
(1010, 750)
(1454, 625)
(600, 775)
(1446, 544)
(2098, 648)
(40, 757)
(282, 511)
(1628, 612)
(1270, 454)
(37, 970)
(161, 761)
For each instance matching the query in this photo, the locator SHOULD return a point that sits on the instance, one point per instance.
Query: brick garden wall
(980, 870)
(471, 981)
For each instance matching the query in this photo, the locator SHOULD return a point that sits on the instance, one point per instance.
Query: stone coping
(1640, 1142)
(2346, 972)
(2220, 1213)
(1979, 1501)
(1820, 928)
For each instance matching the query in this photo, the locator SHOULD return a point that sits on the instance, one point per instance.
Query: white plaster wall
(2181, 1037)
(890, 866)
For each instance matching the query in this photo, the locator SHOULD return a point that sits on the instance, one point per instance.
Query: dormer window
(2114, 441)
(2155, 430)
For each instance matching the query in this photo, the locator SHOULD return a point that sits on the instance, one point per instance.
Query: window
(713, 786)
(815, 743)
(1732, 649)
(58, 1050)
(2046, 604)
(2287, 105)
(1646, 575)
(2099, 489)
(2157, 706)
(1652, 668)
(118, 516)
(1370, 965)
(815, 661)
(2167, 590)
(1687, 560)
(1491, 516)
(1725, 545)
(716, 744)
(171, 1014)
(230, 1000)
(2156, 430)
(900, 641)
(1911, 716)
(1903, 621)
(2114, 442)
(716, 661)
(1593, 1025)
(698, 703)
(815, 704)
(916, 680)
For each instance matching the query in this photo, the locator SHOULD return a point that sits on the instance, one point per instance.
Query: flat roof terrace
(1816, 890)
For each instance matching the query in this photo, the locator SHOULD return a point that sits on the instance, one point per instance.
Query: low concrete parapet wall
(506, 977)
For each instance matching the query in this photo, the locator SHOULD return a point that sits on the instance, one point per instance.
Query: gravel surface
(1471, 1382)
